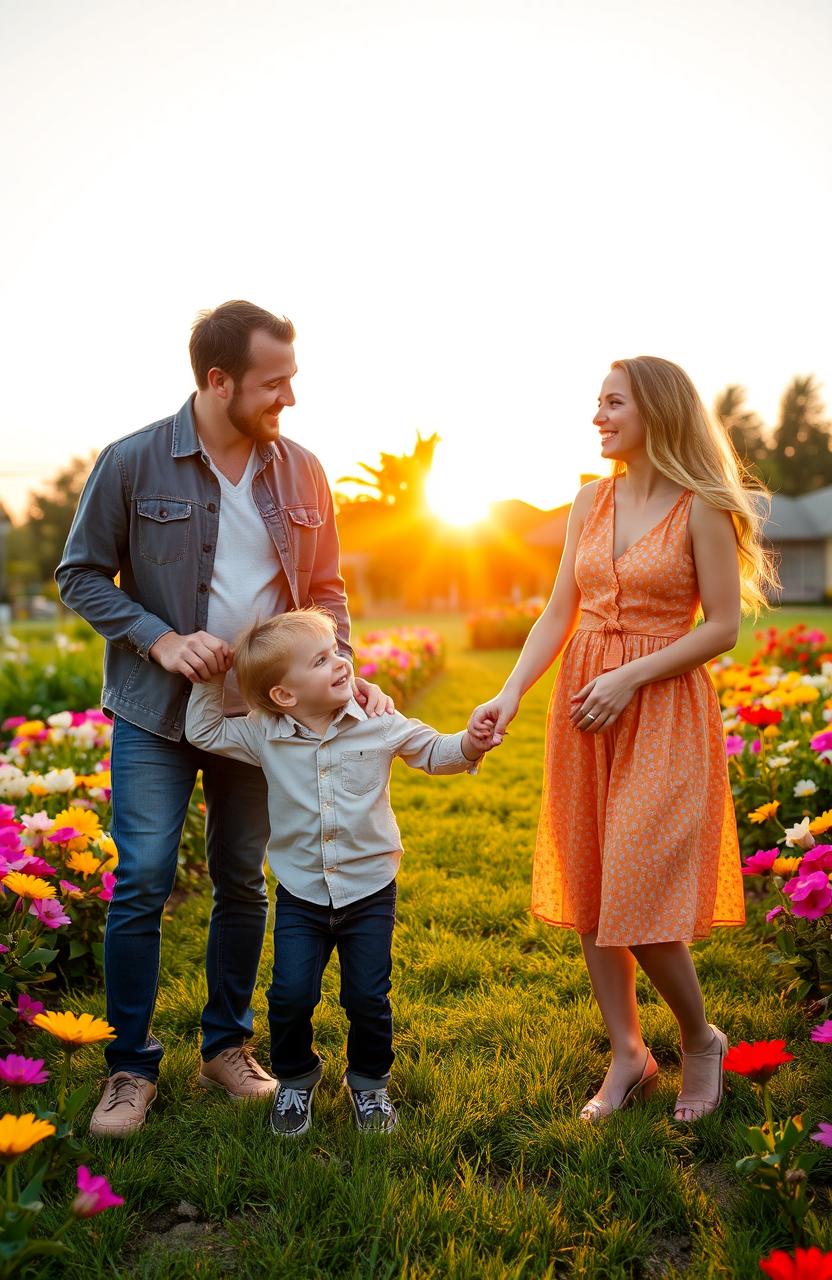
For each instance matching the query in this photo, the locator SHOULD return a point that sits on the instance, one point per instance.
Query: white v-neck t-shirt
(248, 579)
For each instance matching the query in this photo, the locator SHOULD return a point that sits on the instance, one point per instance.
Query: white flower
(84, 734)
(799, 835)
(11, 641)
(60, 720)
(790, 745)
(805, 787)
(826, 670)
(777, 762)
(816, 681)
(59, 780)
(806, 717)
(826, 756)
(14, 783)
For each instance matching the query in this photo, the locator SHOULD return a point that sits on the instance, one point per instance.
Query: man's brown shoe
(123, 1106)
(238, 1072)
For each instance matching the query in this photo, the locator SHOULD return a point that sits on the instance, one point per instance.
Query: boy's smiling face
(318, 679)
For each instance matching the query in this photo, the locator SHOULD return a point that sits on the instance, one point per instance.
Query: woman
(637, 845)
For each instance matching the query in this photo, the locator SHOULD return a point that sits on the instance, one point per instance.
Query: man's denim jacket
(149, 514)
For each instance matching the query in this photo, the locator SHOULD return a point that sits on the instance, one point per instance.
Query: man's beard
(248, 427)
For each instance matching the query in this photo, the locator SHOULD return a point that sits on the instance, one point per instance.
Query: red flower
(759, 715)
(758, 1061)
(803, 1264)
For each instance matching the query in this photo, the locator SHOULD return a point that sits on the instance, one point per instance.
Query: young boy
(335, 847)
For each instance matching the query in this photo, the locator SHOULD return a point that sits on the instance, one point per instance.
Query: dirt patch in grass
(668, 1255)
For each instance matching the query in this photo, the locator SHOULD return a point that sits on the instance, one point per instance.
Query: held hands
(198, 657)
(599, 704)
(489, 720)
(374, 700)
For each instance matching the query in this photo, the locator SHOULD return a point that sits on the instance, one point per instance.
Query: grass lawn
(490, 1174)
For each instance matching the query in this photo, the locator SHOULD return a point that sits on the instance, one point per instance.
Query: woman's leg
(669, 966)
(612, 972)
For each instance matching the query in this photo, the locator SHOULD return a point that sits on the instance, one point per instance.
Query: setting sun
(455, 496)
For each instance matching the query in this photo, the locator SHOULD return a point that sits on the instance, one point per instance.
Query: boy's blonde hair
(263, 652)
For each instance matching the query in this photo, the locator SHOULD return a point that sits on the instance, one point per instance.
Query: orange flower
(19, 1133)
(764, 812)
(822, 823)
(28, 886)
(83, 820)
(74, 1030)
(84, 862)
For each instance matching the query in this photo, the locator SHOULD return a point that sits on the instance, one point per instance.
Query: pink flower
(35, 866)
(108, 883)
(757, 864)
(755, 746)
(3, 948)
(28, 1009)
(771, 915)
(63, 835)
(13, 722)
(822, 741)
(368, 669)
(734, 744)
(6, 812)
(10, 841)
(817, 859)
(50, 913)
(94, 1194)
(39, 821)
(68, 887)
(21, 1072)
(823, 1135)
(811, 895)
(822, 1033)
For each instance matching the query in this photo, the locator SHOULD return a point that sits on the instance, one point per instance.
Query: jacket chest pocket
(304, 523)
(360, 771)
(164, 529)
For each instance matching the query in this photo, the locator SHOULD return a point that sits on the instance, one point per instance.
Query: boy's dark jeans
(304, 937)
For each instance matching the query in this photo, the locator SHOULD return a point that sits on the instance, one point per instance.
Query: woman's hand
(374, 700)
(488, 721)
(599, 704)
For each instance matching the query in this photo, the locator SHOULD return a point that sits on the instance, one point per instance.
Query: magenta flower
(94, 1194)
(757, 864)
(63, 835)
(35, 866)
(822, 1033)
(6, 812)
(755, 746)
(811, 895)
(822, 741)
(13, 722)
(10, 842)
(772, 915)
(50, 912)
(108, 884)
(823, 1135)
(22, 1072)
(28, 1009)
(3, 948)
(817, 859)
(734, 744)
(68, 887)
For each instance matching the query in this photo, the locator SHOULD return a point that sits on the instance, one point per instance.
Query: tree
(399, 479)
(38, 542)
(748, 434)
(802, 440)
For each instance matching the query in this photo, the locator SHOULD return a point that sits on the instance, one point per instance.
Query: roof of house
(801, 519)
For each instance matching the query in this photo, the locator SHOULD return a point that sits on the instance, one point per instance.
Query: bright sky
(468, 208)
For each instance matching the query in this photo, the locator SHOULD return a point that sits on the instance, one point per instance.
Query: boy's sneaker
(374, 1112)
(123, 1106)
(292, 1110)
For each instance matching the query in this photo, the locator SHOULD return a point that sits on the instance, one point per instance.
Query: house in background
(799, 531)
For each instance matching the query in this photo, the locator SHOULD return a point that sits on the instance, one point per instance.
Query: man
(208, 519)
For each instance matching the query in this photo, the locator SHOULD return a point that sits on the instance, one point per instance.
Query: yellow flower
(764, 812)
(785, 866)
(73, 1029)
(822, 823)
(771, 731)
(84, 862)
(107, 846)
(83, 820)
(19, 1133)
(29, 729)
(38, 789)
(28, 886)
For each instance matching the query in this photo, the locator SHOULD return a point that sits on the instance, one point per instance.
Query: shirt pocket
(360, 771)
(304, 523)
(164, 529)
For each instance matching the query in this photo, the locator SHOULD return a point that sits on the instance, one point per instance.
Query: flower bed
(777, 713)
(402, 661)
(504, 626)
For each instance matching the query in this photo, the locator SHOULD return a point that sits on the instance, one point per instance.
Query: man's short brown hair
(264, 651)
(221, 339)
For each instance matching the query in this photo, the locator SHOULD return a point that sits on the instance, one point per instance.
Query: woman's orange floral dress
(637, 834)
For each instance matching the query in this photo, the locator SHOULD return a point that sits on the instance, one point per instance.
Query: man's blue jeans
(304, 937)
(152, 781)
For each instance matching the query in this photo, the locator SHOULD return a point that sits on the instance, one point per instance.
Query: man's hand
(374, 700)
(199, 656)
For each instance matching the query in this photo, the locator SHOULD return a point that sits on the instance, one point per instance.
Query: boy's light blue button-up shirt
(334, 836)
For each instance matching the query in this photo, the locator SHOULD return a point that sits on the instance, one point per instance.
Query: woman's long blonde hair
(689, 447)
